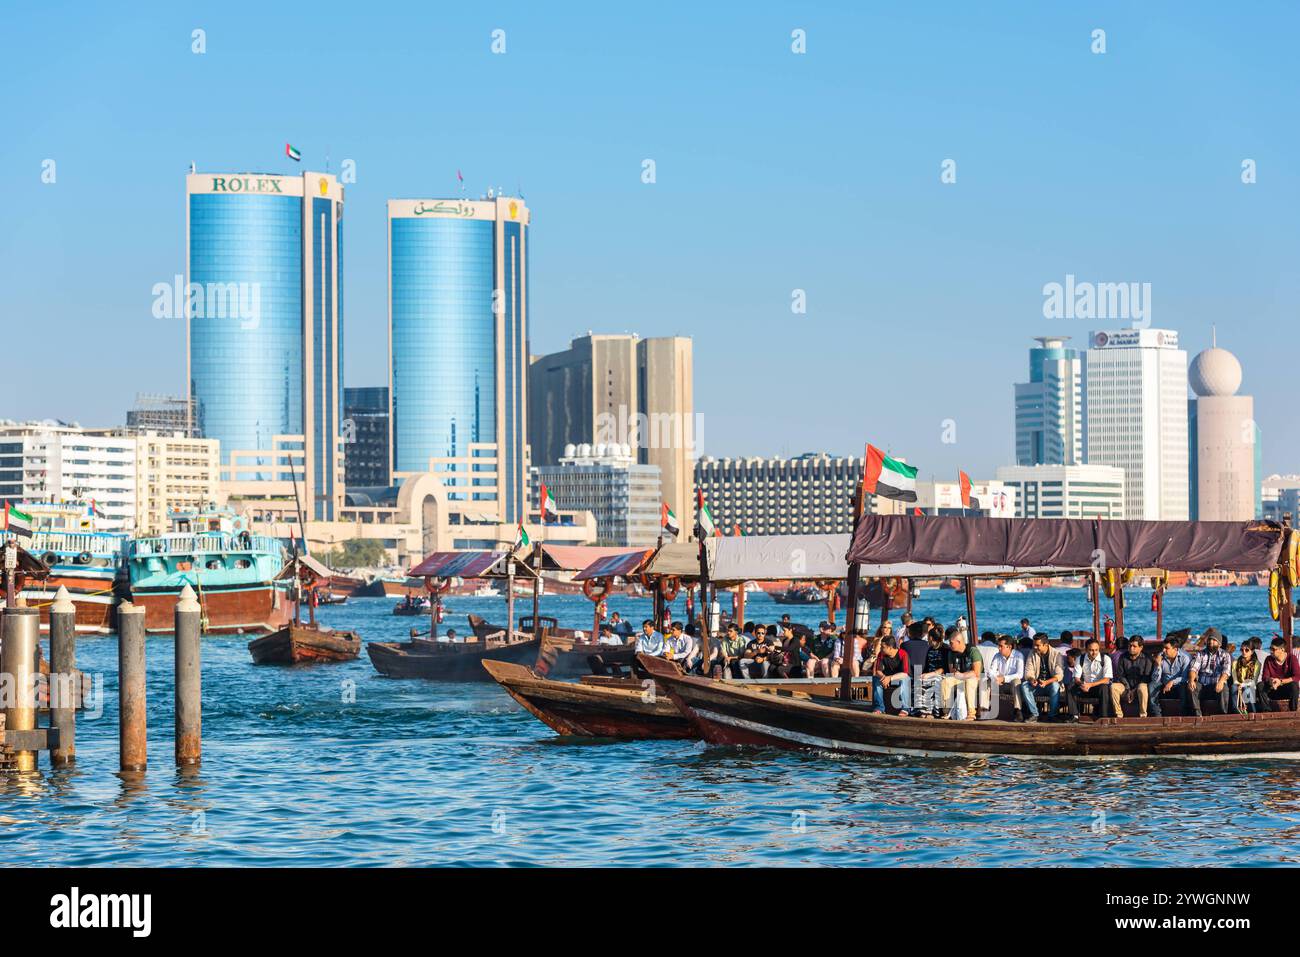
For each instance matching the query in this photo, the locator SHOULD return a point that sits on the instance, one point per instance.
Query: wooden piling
(131, 699)
(189, 681)
(63, 678)
(21, 633)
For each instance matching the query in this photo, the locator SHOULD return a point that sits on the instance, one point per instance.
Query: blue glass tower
(264, 319)
(458, 354)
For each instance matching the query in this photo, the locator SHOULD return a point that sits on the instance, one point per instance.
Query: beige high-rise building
(173, 472)
(1223, 439)
(620, 390)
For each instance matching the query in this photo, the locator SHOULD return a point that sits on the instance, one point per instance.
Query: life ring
(1111, 579)
(84, 558)
(595, 588)
(49, 559)
(1275, 594)
(1291, 564)
(669, 587)
(441, 588)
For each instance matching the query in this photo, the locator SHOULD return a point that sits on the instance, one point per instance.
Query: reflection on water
(298, 770)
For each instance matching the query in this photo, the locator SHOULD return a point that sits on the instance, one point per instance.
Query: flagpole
(851, 612)
(705, 604)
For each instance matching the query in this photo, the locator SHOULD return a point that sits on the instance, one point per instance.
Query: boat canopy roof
(474, 564)
(572, 558)
(989, 546)
(679, 559)
(28, 564)
(745, 558)
(623, 563)
(314, 565)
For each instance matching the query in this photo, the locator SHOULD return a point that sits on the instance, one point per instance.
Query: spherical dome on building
(1215, 372)
(570, 450)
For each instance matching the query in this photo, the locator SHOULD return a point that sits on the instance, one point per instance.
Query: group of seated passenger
(930, 671)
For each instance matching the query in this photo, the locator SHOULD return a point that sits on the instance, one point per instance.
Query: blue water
(297, 772)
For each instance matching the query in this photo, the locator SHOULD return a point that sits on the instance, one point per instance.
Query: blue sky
(775, 172)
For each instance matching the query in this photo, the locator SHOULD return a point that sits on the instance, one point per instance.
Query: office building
(622, 495)
(1280, 495)
(1065, 491)
(806, 495)
(1049, 407)
(988, 499)
(1221, 440)
(264, 312)
(1135, 418)
(620, 390)
(366, 456)
(458, 349)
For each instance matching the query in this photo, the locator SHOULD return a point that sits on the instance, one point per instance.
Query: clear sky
(775, 171)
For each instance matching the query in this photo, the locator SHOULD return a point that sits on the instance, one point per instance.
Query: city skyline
(1132, 192)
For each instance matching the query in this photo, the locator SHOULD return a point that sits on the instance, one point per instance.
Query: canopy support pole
(739, 608)
(970, 609)
(1286, 613)
(1094, 596)
(851, 610)
(510, 597)
(1119, 613)
(537, 589)
(1159, 596)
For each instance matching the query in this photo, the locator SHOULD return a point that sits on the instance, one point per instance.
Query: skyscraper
(264, 312)
(367, 462)
(620, 390)
(1135, 418)
(1049, 407)
(1223, 445)
(458, 348)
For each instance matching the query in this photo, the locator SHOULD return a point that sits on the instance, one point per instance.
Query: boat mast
(851, 609)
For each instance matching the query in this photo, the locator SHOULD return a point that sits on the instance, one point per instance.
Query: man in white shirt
(1026, 629)
(1006, 668)
(607, 635)
(678, 645)
(1092, 678)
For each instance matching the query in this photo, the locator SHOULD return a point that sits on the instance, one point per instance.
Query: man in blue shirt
(1211, 669)
(649, 642)
(1172, 670)
(1026, 629)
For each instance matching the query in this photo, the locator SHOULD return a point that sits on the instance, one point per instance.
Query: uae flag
(736, 532)
(668, 521)
(521, 537)
(18, 524)
(292, 153)
(548, 504)
(888, 477)
(707, 525)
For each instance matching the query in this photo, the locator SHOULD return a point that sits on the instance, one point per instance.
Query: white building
(1135, 418)
(606, 481)
(1049, 407)
(174, 473)
(61, 462)
(1065, 491)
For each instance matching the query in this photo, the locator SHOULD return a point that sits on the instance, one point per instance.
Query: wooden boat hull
(624, 711)
(299, 644)
(448, 661)
(729, 714)
(96, 610)
(565, 658)
(241, 610)
(390, 587)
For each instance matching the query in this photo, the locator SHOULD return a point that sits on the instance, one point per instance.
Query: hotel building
(264, 313)
(1135, 418)
(624, 497)
(810, 494)
(458, 351)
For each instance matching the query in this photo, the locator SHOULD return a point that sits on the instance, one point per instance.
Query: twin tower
(265, 325)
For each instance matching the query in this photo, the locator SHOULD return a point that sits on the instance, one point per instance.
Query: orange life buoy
(441, 588)
(669, 587)
(595, 588)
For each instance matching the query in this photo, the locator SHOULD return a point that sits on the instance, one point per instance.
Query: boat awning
(623, 564)
(778, 558)
(984, 546)
(313, 565)
(679, 559)
(28, 564)
(572, 558)
(457, 565)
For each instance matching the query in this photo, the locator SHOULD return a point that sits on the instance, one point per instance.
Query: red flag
(964, 481)
(917, 511)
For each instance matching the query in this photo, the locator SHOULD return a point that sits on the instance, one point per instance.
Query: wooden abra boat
(728, 714)
(298, 643)
(605, 709)
(565, 655)
(446, 660)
